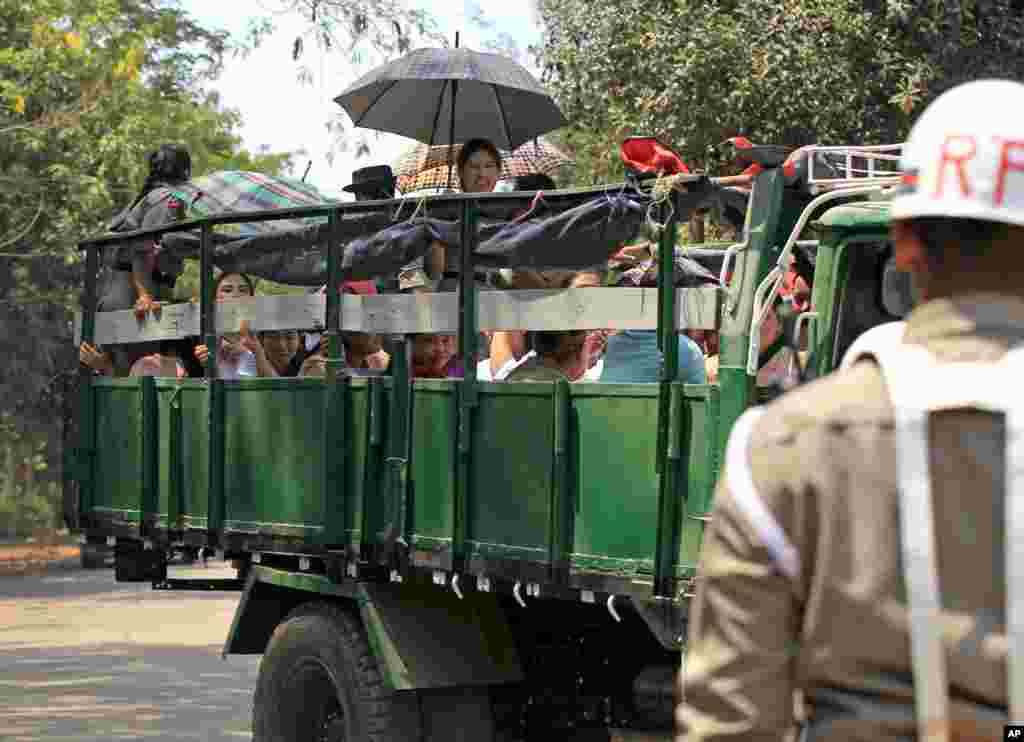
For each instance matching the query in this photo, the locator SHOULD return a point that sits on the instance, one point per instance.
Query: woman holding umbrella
(478, 165)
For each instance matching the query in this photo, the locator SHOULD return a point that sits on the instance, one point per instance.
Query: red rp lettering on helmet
(1007, 164)
(956, 150)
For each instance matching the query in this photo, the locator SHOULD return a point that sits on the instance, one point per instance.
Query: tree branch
(28, 227)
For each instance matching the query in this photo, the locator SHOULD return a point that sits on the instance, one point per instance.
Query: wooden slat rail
(548, 309)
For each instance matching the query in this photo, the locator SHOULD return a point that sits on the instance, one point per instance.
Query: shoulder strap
(918, 386)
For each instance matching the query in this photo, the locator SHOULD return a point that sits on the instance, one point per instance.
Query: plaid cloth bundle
(230, 191)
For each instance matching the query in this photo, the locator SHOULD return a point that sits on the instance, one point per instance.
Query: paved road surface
(84, 658)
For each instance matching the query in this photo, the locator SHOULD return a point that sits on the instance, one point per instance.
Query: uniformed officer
(864, 555)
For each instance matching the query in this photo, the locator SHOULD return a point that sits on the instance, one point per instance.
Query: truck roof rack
(852, 166)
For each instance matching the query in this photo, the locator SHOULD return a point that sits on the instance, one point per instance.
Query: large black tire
(319, 681)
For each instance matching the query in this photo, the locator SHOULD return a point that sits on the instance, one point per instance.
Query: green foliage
(87, 88)
(367, 32)
(795, 72)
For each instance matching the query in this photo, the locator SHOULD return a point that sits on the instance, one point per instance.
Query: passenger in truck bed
(138, 275)
(362, 353)
(240, 355)
(282, 348)
(478, 166)
(558, 355)
(510, 348)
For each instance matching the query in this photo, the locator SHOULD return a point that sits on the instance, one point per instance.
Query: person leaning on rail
(138, 275)
(818, 569)
(240, 355)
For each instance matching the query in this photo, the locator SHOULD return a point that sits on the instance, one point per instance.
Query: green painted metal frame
(831, 271)
(216, 507)
(738, 390)
(175, 464)
(683, 494)
(149, 510)
(336, 402)
(396, 464)
(468, 391)
(666, 549)
(86, 443)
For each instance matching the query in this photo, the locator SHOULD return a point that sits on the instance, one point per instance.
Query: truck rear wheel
(319, 681)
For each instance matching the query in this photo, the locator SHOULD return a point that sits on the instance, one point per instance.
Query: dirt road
(84, 658)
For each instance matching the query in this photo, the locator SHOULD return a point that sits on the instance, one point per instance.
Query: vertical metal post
(86, 412)
(666, 288)
(336, 396)
(668, 344)
(215, 510)
(207, 301)
(738, 390)
(668, 506)
(149, 485)
(563, 510)
(175, 464)
(468, 392)
(372, 476)
(332, 319)
(396, 468)
(90, 297)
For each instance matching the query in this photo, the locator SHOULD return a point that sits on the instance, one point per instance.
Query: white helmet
(965, 156)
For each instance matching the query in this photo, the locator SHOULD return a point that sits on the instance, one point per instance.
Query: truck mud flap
(421, 636)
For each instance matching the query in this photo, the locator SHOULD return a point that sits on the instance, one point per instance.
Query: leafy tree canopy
(795, 72)
(87, 88)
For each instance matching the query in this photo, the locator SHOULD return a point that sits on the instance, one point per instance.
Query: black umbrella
(474, 93)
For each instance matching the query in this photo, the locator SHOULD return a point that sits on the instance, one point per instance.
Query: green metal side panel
(194, 472)
(702, 405)
(274, 457)
(118, 473)
(376, 506)
(509, 514)
(356, 440)
(616, 481)
(432, 471)
(182, 468)
(701, 461)
(168, 455)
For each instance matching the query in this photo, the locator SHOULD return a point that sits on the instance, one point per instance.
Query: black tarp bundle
(565, 230)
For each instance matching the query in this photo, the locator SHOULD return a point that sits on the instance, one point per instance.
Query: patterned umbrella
(421, 167)
(228, 191)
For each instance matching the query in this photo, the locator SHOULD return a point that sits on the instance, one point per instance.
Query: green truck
(453, 559)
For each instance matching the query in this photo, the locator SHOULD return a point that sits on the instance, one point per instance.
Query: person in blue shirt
(632, 357)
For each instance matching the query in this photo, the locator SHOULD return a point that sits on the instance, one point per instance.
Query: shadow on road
(126, 692)
(72, 581)
(85, 658)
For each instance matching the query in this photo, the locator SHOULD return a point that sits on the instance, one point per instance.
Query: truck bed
(552, 484)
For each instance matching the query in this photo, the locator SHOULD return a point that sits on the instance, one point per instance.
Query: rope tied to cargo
(421, 205)
(661, 193)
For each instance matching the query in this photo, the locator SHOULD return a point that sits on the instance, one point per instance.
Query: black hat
(371, 178)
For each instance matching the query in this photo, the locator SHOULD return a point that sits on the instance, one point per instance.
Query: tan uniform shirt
(800, 590)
